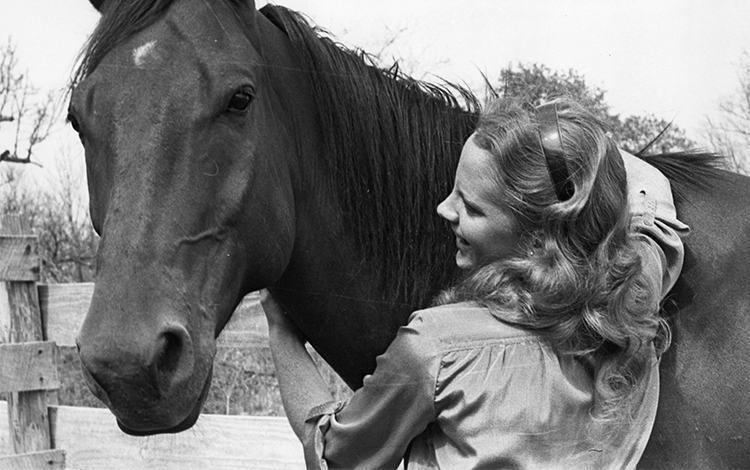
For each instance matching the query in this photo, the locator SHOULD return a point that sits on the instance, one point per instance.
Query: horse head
(189, 159)
(227, 150)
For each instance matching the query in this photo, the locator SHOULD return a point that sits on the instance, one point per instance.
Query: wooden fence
(35, 320)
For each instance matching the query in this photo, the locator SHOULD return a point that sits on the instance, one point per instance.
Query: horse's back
(704, 412)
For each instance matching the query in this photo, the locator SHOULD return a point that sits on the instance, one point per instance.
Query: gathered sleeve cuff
(374, 427)
(316, 425)
(654, 221)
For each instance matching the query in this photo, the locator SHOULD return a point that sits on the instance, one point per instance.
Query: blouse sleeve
(654, 220)
(395, 404)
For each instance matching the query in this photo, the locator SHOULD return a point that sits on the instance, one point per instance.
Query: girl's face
(484, 230)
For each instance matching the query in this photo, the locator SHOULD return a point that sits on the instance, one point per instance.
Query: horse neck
(369, 248)
(323, 279)
(392, 143)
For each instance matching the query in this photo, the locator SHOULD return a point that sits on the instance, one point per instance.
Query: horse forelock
(120, 20)
(392, 144)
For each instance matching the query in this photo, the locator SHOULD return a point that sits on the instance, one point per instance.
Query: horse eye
(73, 123)
(240, 101)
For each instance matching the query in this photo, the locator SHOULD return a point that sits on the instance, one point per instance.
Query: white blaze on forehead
(142, 52)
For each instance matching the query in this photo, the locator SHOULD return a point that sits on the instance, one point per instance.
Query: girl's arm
(373, 428)
(301, 385)
(654, 219)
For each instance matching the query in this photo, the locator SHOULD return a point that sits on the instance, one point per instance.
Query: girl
(546, 354)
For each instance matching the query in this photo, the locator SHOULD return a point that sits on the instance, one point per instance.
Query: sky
(676, 59)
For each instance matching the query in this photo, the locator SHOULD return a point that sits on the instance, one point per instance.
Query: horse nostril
(171, 361)
(171, 351)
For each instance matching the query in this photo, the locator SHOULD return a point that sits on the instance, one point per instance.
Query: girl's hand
(278, 321)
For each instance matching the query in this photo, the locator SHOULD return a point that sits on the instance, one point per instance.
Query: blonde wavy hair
(578, 278)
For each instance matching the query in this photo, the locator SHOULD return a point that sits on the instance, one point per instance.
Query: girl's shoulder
(467, 324)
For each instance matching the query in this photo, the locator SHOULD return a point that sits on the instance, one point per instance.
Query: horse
(230, 149)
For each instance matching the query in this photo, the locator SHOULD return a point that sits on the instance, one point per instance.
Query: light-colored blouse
(459, 388)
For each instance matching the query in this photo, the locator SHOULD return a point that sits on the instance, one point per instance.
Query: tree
(56, 212)
(66, 235)
(28, 122)
(537, 84)
(730, 133)
(59, 217)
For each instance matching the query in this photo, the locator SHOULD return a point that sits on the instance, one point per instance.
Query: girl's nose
(445, 210)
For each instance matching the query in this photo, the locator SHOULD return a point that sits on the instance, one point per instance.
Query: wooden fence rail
(36, 319)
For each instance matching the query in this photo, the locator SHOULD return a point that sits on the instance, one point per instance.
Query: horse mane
(392, 145)
(688, 170)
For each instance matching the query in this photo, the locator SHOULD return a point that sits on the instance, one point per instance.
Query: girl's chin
(463, 261)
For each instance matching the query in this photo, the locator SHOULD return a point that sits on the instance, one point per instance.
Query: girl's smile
(485, 229)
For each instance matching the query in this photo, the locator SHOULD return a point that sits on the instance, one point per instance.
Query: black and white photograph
(416, 234)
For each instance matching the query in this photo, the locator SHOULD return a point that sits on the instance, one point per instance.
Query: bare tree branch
(6, 157)
(730, 133)
(32, 119)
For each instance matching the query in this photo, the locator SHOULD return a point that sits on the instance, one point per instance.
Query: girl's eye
(472, 210)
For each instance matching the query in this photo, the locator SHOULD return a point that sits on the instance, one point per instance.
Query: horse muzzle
(152, 384)
(186, 423)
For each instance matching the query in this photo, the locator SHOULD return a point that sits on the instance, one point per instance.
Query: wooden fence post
(21, 322)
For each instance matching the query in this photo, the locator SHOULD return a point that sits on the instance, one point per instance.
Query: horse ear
(97, 4)
(250, 4)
